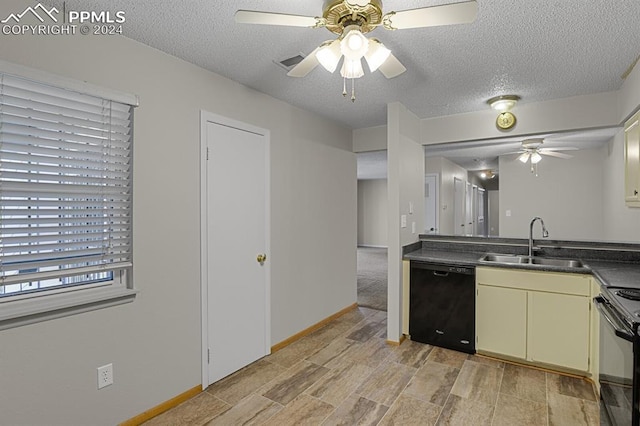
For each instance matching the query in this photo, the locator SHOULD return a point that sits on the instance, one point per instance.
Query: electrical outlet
(105, 375)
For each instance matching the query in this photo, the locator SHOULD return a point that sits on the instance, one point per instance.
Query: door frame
(208, 117)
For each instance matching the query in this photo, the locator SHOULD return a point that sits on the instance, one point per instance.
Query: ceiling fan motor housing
(532, 144)
(339, 15)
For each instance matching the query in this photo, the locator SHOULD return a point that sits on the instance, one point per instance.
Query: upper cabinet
(632, 161)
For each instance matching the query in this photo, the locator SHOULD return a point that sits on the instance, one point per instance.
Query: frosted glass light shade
(376, 55)
(359, 3)
(352, 69)
(524, 157)
(329, 55)
(354, 44)
(503, 103)
(535, 158)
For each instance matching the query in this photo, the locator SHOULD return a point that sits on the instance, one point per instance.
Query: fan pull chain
(344, 87)
(353, 90)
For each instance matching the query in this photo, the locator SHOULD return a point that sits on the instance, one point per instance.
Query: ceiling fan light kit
(376, 55)
(532, 152)
(351, 19)
(329, 55)
(352, 69)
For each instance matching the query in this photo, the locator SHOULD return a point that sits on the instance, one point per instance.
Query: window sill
(29, 311)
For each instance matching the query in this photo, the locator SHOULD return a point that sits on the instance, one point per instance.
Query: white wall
(372, 212)
(405, 188)
(567, 194)
(370, 139)
(47, 370)
(621, 223)
(579, 112)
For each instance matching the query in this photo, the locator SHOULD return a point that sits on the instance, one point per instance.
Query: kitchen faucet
(545, 233)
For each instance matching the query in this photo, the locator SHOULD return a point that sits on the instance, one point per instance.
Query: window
(66, 193)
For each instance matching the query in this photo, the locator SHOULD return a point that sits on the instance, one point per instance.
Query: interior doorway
(373, 227)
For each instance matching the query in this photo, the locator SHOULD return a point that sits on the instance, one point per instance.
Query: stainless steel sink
(504, 258)
(565, 263)
(526, 260)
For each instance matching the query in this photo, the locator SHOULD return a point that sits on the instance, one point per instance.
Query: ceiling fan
(532, 152)
(350, 20)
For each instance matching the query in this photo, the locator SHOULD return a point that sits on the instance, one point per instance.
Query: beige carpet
(372, 278)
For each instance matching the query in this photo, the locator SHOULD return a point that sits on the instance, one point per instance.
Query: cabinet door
(559, 330)
(632, 161)
(501, 321)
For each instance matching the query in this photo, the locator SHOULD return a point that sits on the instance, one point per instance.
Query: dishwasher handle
(443, 270)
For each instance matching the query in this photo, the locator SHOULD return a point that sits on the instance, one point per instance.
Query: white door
(468, 210)
(474, 209)
(481, 224)
(237, 284)
(431, 204)
(458, 207)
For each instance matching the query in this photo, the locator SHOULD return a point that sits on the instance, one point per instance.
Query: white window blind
(65, 187)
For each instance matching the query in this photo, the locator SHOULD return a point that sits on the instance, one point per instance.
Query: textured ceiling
(538, 49)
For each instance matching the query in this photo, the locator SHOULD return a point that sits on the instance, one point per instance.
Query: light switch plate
(403, 221)
(413, 227)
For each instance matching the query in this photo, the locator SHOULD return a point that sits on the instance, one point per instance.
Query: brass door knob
(261, 258)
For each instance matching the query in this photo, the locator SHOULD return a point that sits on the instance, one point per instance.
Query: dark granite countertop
(445, 257)
(607, 270)
(616, 274)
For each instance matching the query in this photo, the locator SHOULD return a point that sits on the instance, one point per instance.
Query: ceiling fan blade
(448, 14)
(392, 67)
(306, 65)
(556, 154)
(560, 148)
(268, 18)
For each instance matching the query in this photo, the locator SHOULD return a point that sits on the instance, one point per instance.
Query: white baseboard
(371, 246)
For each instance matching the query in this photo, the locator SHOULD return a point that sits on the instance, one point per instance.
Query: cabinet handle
(439, 332)
(440, 274)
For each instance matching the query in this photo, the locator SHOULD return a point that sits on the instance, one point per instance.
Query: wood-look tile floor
(346, 374)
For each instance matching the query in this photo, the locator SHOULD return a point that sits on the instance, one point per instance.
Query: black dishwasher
(442, 306)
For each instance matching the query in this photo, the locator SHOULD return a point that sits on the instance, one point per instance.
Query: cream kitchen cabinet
(541, 318)
(632, 161)
(501, 317)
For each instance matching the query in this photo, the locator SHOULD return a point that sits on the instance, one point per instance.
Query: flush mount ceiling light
(351, 20)
(503, 104)
(487, 174)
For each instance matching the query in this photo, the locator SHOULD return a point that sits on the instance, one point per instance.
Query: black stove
(619, 370)
(626, 302)
(629, 293)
